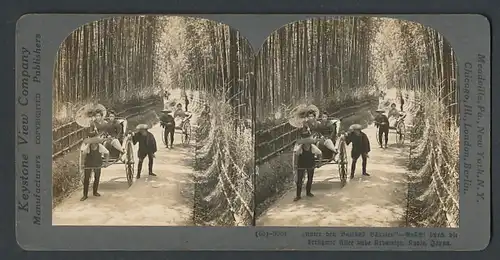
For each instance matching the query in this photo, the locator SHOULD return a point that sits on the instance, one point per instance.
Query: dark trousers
(86, 180)
(141, 160)
(169, 132)
(355, 158)
(383, 131)
(300, 180)
(401, 106)
(186, 106)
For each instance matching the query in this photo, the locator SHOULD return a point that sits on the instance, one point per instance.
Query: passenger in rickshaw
(114, 133)
(393, 115)
(311, 123)
(98, 124)
(326, 131)
(110, 130)
(167, 121)
(181, 116)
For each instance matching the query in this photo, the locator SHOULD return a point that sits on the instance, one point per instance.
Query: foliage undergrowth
(65, 175)
(434, 185)
(224, 169)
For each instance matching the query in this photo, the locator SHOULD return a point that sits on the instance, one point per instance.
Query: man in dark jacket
(382, 123)
(147, 147)
(360, 147)
(167, 121)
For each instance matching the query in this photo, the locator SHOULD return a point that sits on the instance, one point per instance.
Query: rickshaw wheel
(400, 133)
(186, 133)
(80, 167)
(163, 136)
(376, 136)
(129, 163)
(342, 163)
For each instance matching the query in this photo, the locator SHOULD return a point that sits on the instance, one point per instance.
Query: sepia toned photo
(302, 132)
(357, 125)
(152, 124)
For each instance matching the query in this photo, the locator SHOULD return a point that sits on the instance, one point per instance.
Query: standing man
(147, 147)
(360, 147)
(167, 121)
(92, 151)
(382, 123)
(304, 154)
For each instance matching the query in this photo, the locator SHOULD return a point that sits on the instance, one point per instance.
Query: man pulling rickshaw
(167, 121)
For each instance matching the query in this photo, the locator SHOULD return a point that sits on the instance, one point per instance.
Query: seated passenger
(393, 115)
(311, 123)
(328, 133)
(180, 116)
(114, 130)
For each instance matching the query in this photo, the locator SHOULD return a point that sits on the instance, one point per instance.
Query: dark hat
(111, 112)
(380, 110)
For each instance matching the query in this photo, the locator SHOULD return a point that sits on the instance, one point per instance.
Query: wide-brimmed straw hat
(355, 127)
(307, 140)
(380, 110)
(85, 115)
(166, 111)
(93, 140)
(142, 127)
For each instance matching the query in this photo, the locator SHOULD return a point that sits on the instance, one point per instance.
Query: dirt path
(375, 201)
(165, 200)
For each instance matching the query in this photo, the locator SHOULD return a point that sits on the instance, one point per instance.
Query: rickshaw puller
(93, 152)
(305, 153)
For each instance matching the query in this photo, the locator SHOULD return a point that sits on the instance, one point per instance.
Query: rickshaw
(399, 129)
(184, 129)
(341, 157)
(327, 155)
(83, 119)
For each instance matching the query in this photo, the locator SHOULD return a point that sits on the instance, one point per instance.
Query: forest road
(164, 200)
(378, 200)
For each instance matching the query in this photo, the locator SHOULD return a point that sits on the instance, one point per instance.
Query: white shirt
(86, 149)
(298, 149)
